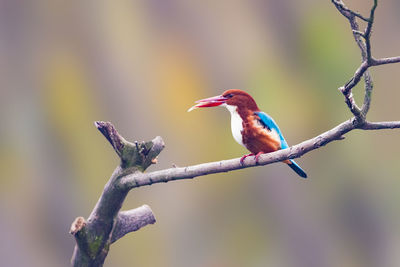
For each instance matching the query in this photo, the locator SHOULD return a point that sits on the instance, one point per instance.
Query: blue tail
(297, 168)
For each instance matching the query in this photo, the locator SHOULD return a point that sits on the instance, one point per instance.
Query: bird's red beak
(209, 102)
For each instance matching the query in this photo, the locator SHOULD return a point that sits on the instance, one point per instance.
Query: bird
(251, 128)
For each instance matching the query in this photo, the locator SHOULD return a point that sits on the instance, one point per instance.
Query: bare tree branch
(172, 174)
(368, 30)
(345, 10)
(382, 61)
(363, 40)
(132, 220)
(380, 125)
(163, 176)
(106, 224)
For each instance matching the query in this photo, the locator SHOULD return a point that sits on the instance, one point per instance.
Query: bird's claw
(244, 157)
(256, 156)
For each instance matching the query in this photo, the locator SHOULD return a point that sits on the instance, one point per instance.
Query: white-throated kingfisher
(251, 128)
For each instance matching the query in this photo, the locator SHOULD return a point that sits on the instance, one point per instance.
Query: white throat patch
(236, 124)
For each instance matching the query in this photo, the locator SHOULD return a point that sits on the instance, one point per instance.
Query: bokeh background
(141, 64)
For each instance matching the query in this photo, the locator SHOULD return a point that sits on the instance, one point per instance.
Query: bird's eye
(229, 95)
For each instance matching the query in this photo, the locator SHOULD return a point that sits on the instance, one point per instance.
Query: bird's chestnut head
(231, 97)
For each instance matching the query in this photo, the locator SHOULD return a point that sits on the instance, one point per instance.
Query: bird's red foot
(245, 156)
(258, 155)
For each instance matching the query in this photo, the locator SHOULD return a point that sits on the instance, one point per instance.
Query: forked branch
(363, 40)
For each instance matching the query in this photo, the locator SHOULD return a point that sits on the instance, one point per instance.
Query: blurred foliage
(141, 64)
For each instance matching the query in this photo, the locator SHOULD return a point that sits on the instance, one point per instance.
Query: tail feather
(297, 168)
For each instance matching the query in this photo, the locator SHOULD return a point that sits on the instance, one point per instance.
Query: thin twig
(383, 61)
(380, 125)
(340, 5)
(367, 59)
(368, 31)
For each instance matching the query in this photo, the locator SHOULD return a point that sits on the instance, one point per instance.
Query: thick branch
(138, 154)
(78, 230)
(132, 220)
(96, 235)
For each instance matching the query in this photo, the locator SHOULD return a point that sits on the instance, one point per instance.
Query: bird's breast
(252, 134)
(257, 138)
(237, 128)
(236, 125)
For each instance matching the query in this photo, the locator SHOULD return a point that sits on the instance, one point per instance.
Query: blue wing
(269, 122)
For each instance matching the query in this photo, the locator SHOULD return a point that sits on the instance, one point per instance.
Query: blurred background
(141, 65)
